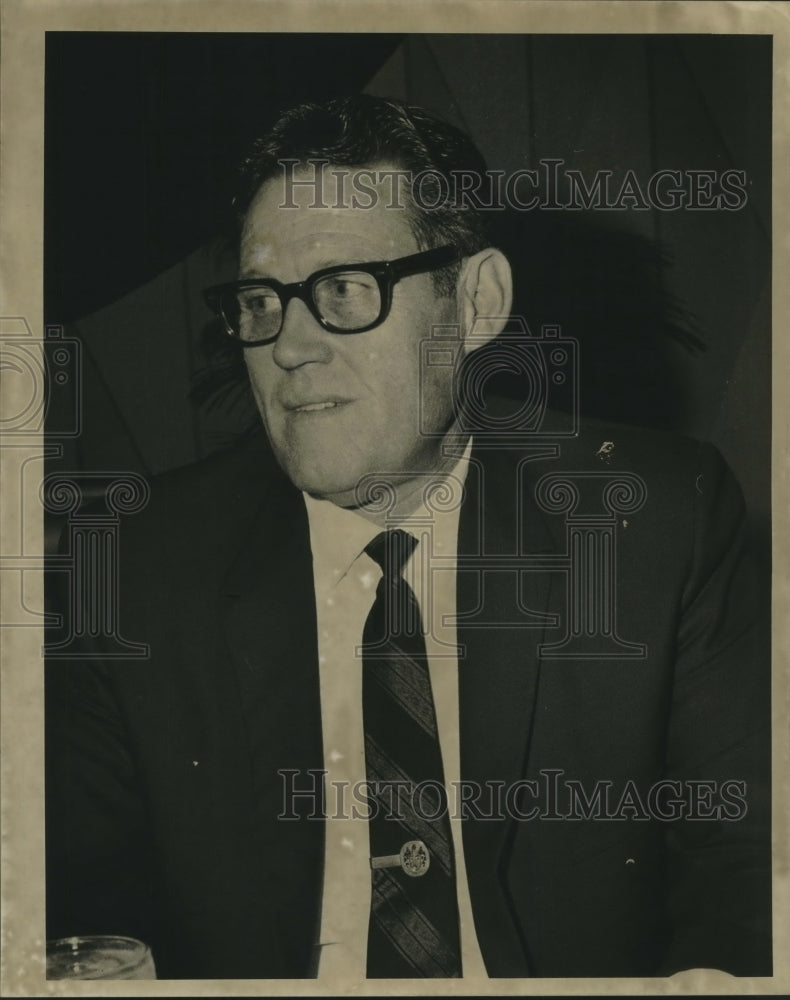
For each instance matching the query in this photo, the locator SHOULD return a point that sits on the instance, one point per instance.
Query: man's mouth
(311, 407)
(315, 405)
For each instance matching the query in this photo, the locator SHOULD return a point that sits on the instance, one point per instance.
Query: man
(470, 690)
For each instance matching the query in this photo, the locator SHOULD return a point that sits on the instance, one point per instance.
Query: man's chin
(341, 491)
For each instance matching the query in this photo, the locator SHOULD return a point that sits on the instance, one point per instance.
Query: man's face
(373, 381)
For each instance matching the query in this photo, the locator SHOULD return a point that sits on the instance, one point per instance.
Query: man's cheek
(435, 397)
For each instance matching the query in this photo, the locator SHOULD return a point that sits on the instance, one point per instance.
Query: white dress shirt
(345, 586)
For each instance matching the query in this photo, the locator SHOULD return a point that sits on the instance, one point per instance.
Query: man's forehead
(320, 185)
(326, 206)
(324, 248)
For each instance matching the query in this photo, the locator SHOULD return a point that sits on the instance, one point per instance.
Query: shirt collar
(339, 535)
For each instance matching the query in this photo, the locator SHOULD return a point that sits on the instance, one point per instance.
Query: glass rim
(138, 951)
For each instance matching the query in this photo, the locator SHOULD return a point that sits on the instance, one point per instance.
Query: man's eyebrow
(255, 274)
(344, 261)
(251, 274)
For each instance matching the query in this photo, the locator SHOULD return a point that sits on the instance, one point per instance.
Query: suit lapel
(270, 630)
(498, 677)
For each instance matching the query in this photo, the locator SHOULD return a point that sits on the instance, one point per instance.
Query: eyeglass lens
(348, 300)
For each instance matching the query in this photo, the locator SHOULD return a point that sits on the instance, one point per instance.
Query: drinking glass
(99, 956)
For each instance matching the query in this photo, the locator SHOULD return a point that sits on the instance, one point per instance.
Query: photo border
(24, 24)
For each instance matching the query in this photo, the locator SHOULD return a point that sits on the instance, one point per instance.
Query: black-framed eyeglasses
(345, 298)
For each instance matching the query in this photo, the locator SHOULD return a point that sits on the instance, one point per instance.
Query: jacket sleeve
(719, 856)
(99, 878)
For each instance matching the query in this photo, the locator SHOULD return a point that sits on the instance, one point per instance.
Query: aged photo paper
(637, 178)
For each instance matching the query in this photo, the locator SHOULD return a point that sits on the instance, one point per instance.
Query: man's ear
(485, 296)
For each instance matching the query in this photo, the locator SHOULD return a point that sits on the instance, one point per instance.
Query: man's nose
(301, 339)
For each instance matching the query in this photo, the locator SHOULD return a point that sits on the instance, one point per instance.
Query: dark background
(143, 133)
(144, 130)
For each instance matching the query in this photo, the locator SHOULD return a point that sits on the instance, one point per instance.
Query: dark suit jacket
(163, 785)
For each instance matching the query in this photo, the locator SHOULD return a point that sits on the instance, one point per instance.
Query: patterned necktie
(413, 929)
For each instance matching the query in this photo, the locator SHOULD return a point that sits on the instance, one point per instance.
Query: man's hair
(363, 131)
